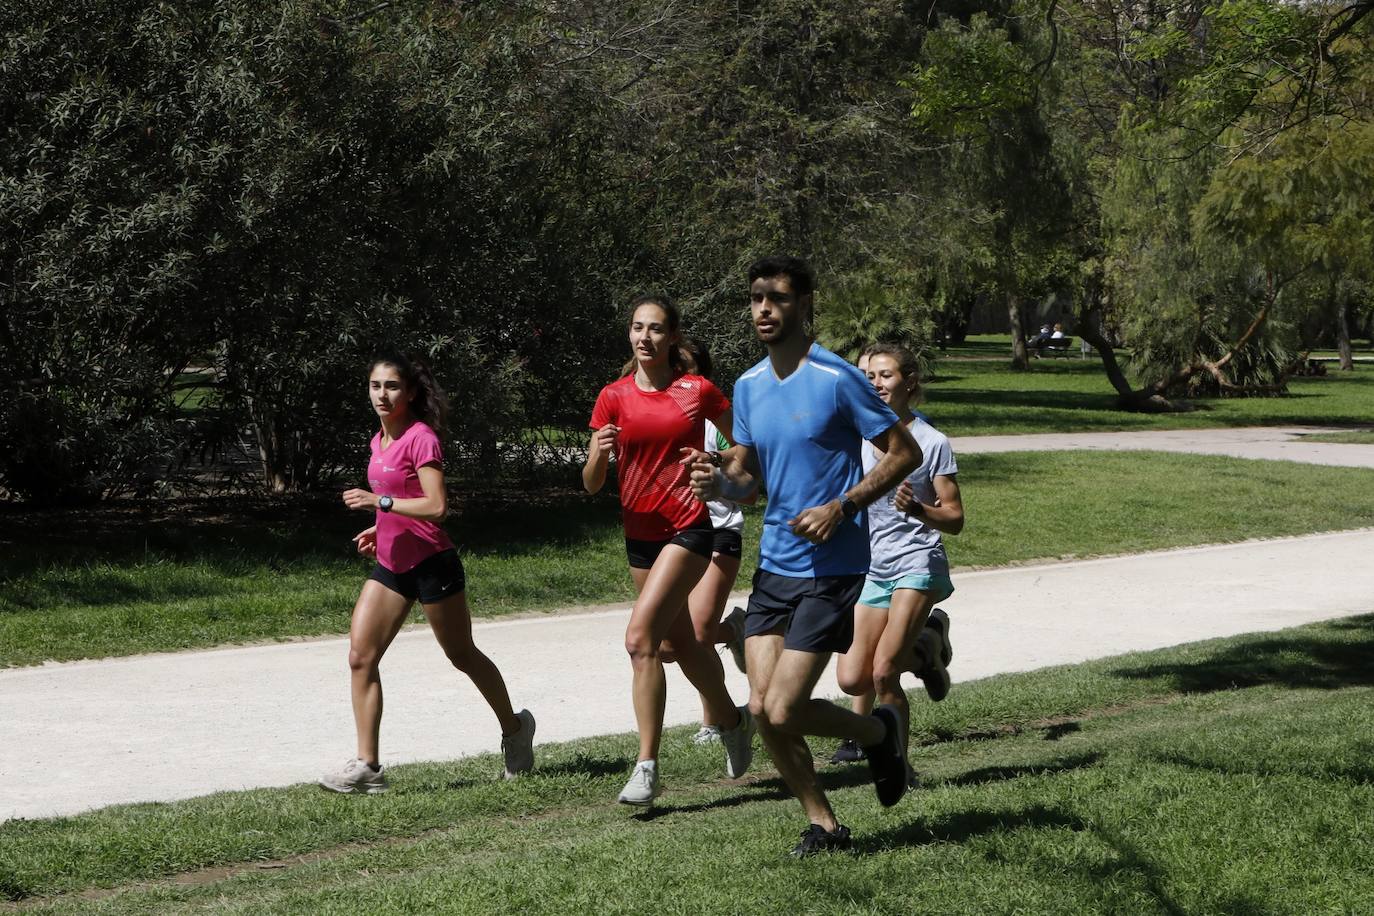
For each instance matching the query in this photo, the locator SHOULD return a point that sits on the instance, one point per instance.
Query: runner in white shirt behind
(707, 601)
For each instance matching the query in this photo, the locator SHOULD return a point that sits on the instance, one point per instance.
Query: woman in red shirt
(415, 561)
(645, 420)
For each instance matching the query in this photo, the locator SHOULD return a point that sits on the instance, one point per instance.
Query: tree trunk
(270, 449)
(1089, 328)
(1019, 359)
(1342, 329)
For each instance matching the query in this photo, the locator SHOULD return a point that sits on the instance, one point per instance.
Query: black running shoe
(939, 622)
(848, 752)
(934, 675)
(816, 839)
(935, 646)
(886, 760)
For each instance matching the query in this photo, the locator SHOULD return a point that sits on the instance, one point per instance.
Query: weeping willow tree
(1249, 179)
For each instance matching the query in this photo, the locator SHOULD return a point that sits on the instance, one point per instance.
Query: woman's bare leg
(377, 618)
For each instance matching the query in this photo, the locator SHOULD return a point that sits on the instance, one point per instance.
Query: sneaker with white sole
(735, 622)
(356, 778)
(739, 744)
(707, 734)
(642, 788)
(518, 749)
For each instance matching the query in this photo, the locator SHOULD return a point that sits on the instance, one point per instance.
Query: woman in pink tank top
(415, 561)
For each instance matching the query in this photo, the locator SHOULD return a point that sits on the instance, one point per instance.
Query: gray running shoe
(356, 778)
(518, 749)
(642, 788)
(735, 621)
(707, 734)
(739, 744)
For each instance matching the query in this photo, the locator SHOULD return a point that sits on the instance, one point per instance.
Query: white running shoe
(518, 749)
(356, 778)
(642, 788)
(707, 734)
(735, 621)
(739, 744)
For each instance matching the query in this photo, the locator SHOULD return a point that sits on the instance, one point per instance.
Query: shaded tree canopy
(212, 215)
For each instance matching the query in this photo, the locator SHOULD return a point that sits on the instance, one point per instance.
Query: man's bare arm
(901, 456)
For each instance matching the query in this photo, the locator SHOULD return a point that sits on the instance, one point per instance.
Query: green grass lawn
(120, 581)
(1226, 777)
(975, 397)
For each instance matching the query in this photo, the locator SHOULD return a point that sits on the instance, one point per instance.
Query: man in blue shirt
(801, 416)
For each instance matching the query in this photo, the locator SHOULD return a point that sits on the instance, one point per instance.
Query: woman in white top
(908, 568)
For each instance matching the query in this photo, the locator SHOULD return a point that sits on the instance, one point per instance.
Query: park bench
(1058, 346)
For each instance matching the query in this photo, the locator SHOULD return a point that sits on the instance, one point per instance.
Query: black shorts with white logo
(727, 542)
(432, 580)
(817, 614)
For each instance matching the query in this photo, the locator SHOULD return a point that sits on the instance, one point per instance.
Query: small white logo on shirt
(388, 470)
(686, 384)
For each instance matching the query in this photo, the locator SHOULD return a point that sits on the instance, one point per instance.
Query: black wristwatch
(848, 507)
(385, 503)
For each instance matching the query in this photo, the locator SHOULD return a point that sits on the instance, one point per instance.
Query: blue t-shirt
(807, 431)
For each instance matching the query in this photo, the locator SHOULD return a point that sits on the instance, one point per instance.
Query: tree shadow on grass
(770, 789)
(1358, 773)
(1055, 398)
(96, 590)
(758, 792)
(985, 775)
(1329, 657)
(963, 826)
(232, 534)
(583, 765)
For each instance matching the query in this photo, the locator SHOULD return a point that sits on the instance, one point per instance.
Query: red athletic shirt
(655, 498)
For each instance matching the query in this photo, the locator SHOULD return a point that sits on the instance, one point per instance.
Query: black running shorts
(817, 614)
(697, 539)
(431, 581)
(727, 542)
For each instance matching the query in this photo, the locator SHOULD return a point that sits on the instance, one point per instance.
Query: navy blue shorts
(431, 581)
(817, 614)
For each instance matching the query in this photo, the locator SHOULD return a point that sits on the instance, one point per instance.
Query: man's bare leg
(790, 753)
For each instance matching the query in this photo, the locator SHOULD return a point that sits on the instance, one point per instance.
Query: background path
(1279, 443)
(159, 727)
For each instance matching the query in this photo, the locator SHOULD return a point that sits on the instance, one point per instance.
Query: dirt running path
(159, 727)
